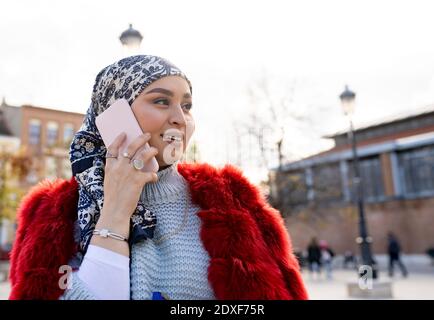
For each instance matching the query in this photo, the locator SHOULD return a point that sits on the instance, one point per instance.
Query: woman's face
(163, 110)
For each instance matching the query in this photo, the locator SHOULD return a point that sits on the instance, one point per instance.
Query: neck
(170, 185)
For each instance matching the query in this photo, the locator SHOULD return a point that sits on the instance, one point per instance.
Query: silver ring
(138, 164)
(109, 155)
(126, 155)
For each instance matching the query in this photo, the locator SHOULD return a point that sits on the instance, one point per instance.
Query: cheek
(150, 119)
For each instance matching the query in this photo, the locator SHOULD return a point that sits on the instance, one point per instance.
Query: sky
(51, 51)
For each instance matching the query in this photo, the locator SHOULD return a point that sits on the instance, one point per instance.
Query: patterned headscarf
(126, 79)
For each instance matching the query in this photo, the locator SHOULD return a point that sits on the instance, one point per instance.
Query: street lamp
(348, 98)
(131, 39)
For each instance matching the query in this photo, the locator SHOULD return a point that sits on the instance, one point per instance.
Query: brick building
(46, 135)
(397, 171)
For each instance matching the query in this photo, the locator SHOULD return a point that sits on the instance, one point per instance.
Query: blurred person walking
(314, 257)
(327, 255)
(394, 250)
(349, 258)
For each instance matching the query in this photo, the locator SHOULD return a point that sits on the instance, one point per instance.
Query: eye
(187, 106)
(161, 100)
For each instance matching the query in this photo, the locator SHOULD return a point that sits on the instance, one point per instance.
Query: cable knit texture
(176, 267)
(78, 290)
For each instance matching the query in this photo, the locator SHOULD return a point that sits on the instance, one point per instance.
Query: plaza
(419, 285)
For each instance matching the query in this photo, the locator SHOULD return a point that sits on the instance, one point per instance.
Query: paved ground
(4, 290)
(419, 284)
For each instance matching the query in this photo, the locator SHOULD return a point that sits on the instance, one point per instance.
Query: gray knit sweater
(175, 266)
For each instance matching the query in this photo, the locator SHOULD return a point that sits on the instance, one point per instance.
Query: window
(34, 131)
(52, 132)
(68, 133)
(371, 176)
(294, 188)
(50, 167)
(327, 182)
(66, 169)
(417, 170)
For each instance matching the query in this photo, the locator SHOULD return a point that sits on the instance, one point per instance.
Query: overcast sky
(51, 52)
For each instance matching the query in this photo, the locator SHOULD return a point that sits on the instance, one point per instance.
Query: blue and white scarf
(126, 79)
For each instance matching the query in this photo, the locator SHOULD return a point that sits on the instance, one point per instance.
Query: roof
(51, 109)
(389, 119)
(404, 143)
(4, 127)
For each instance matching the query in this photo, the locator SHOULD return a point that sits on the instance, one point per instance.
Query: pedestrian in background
(314, 257)
(394, 250)
(349, 258)
(327, 255)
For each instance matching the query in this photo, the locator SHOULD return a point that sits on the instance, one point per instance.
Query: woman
(186, 232)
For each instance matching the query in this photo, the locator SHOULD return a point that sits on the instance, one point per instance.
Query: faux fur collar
(250, 251)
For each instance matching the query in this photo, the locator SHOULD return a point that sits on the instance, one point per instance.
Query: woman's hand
(122, 182)
(123, 185)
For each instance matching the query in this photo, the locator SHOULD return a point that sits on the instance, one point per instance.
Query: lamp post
(131, 40)
(348, 102)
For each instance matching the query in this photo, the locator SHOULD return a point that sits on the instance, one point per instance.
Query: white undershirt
(106, 273)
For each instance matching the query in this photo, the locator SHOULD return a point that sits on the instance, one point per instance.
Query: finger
(147, 154)
(113, 148)
(149, 177)
(134, 146)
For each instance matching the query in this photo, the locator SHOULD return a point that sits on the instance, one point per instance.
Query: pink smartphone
(117, 118)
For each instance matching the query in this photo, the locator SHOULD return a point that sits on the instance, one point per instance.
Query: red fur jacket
(250, 250)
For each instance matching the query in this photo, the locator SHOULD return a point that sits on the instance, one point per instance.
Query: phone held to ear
(117, 118)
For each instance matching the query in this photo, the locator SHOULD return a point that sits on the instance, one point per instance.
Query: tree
(14, 167)
(273, 118)
(270, 115)
(192, 154)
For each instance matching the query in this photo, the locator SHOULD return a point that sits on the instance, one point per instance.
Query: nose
(177, 117)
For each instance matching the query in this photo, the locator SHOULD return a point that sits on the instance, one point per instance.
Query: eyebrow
(167, 92)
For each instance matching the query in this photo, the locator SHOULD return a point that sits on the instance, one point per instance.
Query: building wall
(337, 222)
(46, 115)
(13, 116)
(411, 220)
(392, 136)
(398, 192)
(45, 156)
(18, 119)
